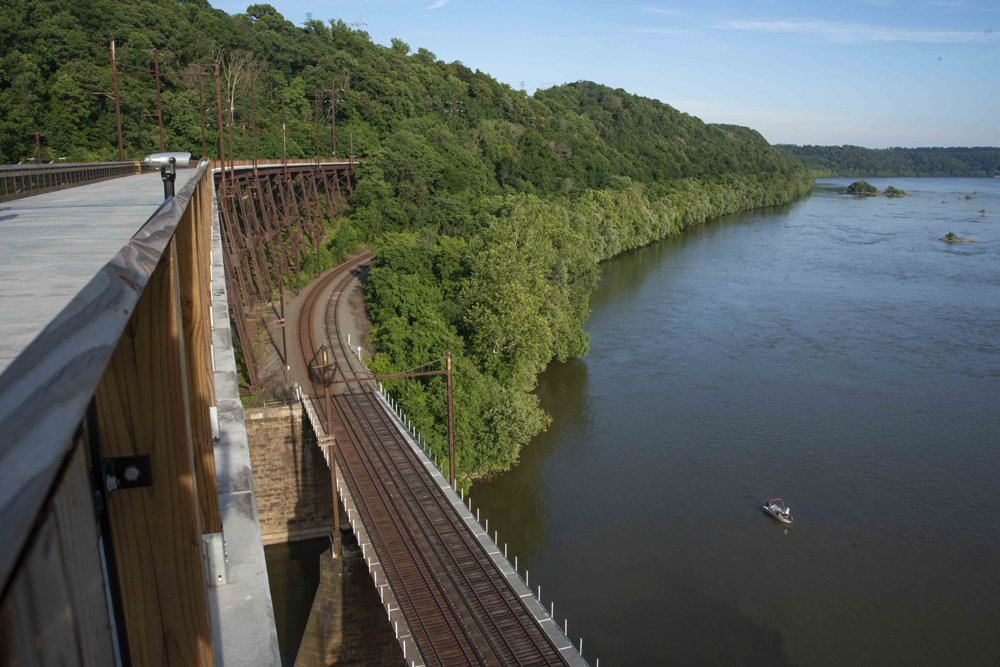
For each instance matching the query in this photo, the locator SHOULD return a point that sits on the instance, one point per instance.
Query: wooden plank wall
(56, 612)
(194, 242)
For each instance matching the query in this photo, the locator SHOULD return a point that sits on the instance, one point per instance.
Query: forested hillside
(489, 237)
(828, 161)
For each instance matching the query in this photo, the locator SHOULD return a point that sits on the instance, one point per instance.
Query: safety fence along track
(461, 608)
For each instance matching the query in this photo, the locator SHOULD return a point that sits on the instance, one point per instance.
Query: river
(832, 352)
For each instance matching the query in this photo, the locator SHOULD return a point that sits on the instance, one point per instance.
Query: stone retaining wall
(290, 475)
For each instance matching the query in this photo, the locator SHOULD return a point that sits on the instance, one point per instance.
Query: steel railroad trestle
(272, 217)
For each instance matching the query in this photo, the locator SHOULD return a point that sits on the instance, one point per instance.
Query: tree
(399, 46)
(861, 188)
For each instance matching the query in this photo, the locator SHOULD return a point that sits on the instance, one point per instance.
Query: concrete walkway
(52, 244)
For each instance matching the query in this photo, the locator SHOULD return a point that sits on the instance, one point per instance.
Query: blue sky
(877, 74)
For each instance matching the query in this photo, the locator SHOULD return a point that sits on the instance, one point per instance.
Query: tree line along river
(833, 352)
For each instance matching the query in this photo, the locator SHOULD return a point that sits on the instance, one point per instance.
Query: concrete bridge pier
(347, 625)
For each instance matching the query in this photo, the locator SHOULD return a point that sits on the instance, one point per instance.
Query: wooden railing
(106, 450)
(24, 180)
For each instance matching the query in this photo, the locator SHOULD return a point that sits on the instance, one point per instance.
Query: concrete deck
(52, 244)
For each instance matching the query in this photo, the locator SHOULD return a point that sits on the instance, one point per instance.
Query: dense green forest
(827, 161)
(489, 237)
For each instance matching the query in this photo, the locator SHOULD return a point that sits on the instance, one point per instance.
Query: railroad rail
(459, 606)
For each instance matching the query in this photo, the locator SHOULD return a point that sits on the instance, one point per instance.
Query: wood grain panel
(44, 605)
(194, 300)
(143, 406)
(74, 511)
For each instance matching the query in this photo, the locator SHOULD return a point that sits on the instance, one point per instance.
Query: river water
(832, 352)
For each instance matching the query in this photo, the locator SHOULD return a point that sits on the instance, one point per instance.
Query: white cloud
(662, 10)
(438, 4)
(852, 33)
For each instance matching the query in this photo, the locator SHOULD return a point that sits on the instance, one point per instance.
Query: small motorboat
(777, 508)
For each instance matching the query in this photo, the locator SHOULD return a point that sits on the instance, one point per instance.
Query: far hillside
(492, 207)
(827, 161)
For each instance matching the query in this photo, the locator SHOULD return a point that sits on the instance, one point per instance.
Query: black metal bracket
(127, 472)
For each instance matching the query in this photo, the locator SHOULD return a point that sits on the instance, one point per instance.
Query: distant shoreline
(928, 162)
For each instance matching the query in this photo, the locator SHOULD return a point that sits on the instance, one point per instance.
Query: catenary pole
(316, 233)
(159, 105)
(218, 113)
(451, 424)
(118, 109)
(201, 112)
(253, 121)
(284, 140)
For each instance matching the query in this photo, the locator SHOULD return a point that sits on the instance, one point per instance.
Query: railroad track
(459, 606)
(308, 345)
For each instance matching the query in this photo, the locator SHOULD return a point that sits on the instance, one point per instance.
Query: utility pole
(253, 121)
(333, 116)
(326, 387)
(336, 498)
(218, 112)
(284, 140)
(328, 375)
(159, 105)
(454, 114)
(316, 113)
(38, 145)
(281, 296)
(232, 161)
(118, 110)
(316, 234)
(201, 112)
(451, 425)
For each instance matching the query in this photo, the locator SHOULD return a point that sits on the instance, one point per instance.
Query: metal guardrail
(24, 180)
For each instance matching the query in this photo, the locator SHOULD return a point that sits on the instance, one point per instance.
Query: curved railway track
(459, 606)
